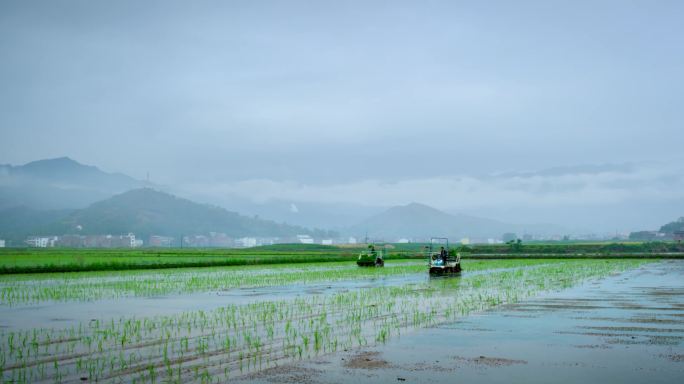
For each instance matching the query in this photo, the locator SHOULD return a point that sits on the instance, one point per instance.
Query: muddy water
(627, 328)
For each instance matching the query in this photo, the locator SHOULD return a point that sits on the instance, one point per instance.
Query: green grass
(14, 261)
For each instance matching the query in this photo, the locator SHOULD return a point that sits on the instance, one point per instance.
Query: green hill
(147, 211)
(673, 227)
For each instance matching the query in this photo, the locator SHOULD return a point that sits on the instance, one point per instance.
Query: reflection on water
(627, 328)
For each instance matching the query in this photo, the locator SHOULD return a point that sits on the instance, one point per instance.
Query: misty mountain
(420, 221)
(59, 183)
(334, 216)
(146, 212)
(674, 226)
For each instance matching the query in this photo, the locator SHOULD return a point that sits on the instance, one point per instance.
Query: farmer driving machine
(441, 259)
(371, 257)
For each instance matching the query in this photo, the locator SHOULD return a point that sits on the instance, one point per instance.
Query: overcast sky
(462, 105)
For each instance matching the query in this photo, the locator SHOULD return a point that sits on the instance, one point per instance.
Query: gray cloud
(548, 195)
(381, 101)
(466, 192)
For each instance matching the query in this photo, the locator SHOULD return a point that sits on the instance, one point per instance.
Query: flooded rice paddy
(625, 328)
(322, 322)
(140, 301)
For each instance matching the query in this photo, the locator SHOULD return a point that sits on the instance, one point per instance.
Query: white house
(41, 242)
(246, 242)
(305, 239)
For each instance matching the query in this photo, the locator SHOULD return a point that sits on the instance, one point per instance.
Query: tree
(515, 245)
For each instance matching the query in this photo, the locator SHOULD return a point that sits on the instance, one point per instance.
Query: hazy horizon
(525, 112)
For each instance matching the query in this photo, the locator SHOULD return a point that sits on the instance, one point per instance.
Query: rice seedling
(203, 346)
(89, 286)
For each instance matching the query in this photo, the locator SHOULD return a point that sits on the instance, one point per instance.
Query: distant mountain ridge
(421, 221)
(62, 196)
(63, 169)
(60, 183)
(52, 196)
(674, 226)
(145, 212)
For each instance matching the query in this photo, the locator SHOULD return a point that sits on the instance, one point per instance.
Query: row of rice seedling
(212, 346)
(88, 286)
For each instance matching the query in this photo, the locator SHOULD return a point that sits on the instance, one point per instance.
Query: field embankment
(14, 261)
(20, 261)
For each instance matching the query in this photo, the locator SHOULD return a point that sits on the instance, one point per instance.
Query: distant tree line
(518, 246)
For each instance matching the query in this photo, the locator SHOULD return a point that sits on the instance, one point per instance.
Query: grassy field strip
(211, 346)
(32, 260)
(16, 265)
(14, 261)
(251, 269)
(612, 255)
(88, 286)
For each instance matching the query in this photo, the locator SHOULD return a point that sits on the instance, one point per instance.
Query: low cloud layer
(555, 191)
(608, 186)
(365, 103)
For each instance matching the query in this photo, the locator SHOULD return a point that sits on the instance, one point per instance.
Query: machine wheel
(379, 263)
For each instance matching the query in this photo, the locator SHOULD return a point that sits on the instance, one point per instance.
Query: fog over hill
(35, 194)
(566, 114)
(420, 221)
(59, 183)
(145, 212)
